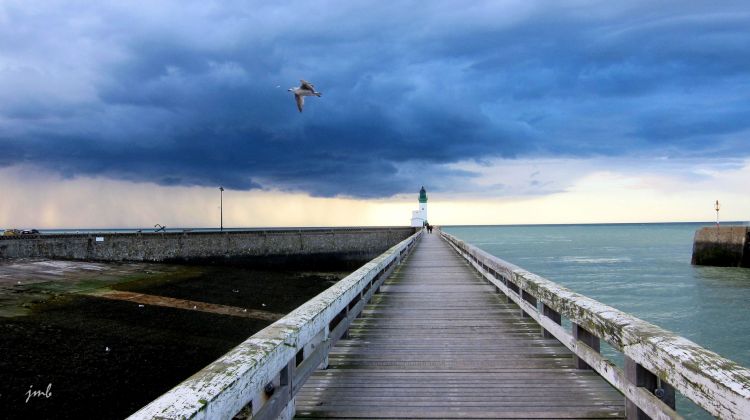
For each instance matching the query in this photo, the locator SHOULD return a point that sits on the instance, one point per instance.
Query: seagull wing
(300, 101)
(303, 84)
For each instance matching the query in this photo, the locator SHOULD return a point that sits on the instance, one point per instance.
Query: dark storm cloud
(186, 93)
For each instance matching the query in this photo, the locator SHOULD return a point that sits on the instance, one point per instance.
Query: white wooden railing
(656, 361)
(260, 377)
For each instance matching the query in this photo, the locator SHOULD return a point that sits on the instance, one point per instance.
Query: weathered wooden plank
(455, 412)
(719, 385)
(228, 384)
(439, 342)
(514, 390)
(519, 388)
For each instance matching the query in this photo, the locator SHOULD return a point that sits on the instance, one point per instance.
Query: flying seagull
(305, 89)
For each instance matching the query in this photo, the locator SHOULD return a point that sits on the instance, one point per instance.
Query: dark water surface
(641, 269)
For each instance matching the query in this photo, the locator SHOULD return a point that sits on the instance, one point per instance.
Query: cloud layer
(186, 93)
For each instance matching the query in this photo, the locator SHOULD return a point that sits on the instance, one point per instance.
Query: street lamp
(221, 208)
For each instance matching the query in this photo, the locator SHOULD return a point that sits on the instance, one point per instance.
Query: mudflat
(92, 340)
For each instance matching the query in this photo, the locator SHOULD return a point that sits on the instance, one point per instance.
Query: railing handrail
(226, 386)
(718, 385)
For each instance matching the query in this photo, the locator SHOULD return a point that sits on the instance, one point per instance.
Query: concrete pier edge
(722, 246)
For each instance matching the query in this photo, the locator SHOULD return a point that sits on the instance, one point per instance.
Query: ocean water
(641, 269)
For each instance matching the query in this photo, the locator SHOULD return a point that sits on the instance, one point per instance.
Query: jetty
(437, 328)
(439, 342)
(252, 247)
(723, 246)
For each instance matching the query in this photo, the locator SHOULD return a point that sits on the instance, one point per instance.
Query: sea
(641, 269)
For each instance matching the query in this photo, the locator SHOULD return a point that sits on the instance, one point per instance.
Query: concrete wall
(725, 246)
(281, 246)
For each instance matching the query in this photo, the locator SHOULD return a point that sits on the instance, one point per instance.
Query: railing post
(528, 298)
(554, 316)
(503, 296)
(667, 394)
(259, 399)
(310, 347)
(504, 281)
(345, 335)
(513, 287)
(276, 394)
(582, 335)
(285, 384)
(642, 377)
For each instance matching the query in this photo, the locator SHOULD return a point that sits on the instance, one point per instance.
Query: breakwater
(257, 247)
(722, 246)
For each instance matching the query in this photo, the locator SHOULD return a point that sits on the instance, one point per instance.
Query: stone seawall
(284, 246)
(724, 246)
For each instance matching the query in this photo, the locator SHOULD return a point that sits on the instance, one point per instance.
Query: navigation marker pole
(717, 206)
(221, 208)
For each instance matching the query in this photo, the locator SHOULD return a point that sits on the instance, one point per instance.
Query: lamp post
(221, 209)
(717, 206)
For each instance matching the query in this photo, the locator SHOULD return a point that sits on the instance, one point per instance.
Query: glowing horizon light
(44, 200)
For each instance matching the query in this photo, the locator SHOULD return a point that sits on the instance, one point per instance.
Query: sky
(131, 113)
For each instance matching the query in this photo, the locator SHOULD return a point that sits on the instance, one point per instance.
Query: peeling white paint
(224, 387)
(719, 385)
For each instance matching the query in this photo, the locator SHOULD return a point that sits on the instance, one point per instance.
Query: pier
(437, 328)
(439, 342)
(724, 246)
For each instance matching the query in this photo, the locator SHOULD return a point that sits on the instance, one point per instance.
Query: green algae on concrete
(722, 246)
(268, 290)
(25, 283)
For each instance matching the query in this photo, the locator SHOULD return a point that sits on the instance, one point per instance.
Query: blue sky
(186, 93)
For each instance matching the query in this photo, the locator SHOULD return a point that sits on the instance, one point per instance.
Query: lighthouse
(419, 217)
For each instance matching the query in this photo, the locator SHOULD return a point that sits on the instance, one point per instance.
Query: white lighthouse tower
(419, 217)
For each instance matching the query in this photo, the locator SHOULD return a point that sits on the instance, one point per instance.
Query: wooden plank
(717, 384)
(439, 342)
(227, 385)
(462, 412)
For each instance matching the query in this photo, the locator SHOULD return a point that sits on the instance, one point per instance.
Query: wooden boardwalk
(439, 342)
